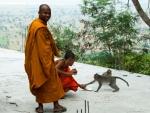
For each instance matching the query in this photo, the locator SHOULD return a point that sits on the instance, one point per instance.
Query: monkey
(104, 79)
(108, 73)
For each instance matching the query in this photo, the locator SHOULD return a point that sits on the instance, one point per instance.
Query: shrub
(139, 63)
(102, 58)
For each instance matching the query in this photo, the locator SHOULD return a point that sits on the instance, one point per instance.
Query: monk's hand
(74, 71)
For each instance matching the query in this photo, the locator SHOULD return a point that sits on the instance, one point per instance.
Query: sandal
(39, 110)
(60, 109)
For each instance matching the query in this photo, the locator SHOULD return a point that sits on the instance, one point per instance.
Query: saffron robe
(68, 82)
(40, 50)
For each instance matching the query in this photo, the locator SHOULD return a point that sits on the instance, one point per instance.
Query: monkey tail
(123, 80)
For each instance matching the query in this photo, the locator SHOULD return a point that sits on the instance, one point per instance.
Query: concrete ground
(15, 96)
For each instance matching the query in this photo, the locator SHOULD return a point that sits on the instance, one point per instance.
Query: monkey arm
(90, 82)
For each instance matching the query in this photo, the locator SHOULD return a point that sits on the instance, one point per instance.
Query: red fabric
(68, 82)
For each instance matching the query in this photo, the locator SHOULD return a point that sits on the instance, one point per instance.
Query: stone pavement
(15, 96)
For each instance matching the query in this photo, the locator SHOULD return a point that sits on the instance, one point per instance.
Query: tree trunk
(141, 12)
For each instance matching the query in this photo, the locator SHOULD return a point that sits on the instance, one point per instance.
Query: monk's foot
(39, 110)
(59, 109)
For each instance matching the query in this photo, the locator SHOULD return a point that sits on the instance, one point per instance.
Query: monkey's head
(109, 72)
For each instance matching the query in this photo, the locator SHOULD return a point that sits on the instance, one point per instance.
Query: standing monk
(40, 50)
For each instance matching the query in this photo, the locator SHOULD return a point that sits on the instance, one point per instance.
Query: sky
(144, 3)
(59, 2)
(55, 2)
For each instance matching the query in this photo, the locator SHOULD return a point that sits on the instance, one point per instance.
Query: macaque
(105, 79)
(108, 73)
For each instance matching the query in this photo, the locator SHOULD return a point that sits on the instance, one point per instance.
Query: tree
(115, 30)
(141, 12)
(64, 37)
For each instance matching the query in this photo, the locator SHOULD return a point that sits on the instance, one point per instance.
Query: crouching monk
(65, 73)
(40, 50)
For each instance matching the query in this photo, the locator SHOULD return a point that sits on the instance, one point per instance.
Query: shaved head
(44, 12)
(43, 6)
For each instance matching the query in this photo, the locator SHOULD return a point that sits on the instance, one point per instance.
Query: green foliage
(4, 42)
(114, 29)
(139, 63)
(133, 62)
(64, 37)
(103, 58)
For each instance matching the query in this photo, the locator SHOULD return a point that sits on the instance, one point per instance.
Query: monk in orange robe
(40, 50)
(65, 73)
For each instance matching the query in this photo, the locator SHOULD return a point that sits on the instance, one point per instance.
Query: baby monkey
(108, 73)
(107, 79)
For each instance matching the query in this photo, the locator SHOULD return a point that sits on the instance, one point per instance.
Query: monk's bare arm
(59, 68)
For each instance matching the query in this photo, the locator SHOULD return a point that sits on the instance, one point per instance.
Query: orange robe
(40, 50)
(68, 82)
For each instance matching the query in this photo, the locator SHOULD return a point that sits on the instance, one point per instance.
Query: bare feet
(39, 109)
(58, 108)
